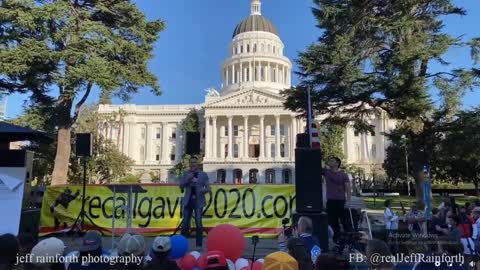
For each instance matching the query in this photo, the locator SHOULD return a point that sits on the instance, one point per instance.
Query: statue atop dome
(256, 7)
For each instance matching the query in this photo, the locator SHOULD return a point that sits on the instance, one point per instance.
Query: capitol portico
(247, 135)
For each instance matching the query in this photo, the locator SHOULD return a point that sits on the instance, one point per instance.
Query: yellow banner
(157, 209)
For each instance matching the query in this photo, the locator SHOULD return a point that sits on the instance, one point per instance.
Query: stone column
(132, 144)
(148, 142)
(259, 78)
(214, 137)
(294, 138)
(245, 137)
(277, 79)
(227, 81)
(262, 137)
(230, 137)
(125, 138)
(165, 143)
(207, 137)
(178, 143)
(277, 136)
(250, 72)
(233, 74)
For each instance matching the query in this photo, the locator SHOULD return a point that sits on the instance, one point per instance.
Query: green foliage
(72, 47)
(130, 178)
(331, 141)
(373, 57)
(190, 124)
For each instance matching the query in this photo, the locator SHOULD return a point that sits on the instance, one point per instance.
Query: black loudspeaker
(308, 180)
(320, 226)
(30, 222)
(83, 145)
(193, 143)
(302, 140)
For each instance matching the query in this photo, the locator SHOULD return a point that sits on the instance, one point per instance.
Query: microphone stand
(255, 241)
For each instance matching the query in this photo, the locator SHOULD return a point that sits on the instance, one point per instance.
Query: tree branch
(81, 102)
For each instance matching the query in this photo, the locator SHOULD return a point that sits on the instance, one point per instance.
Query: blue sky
(190, 51)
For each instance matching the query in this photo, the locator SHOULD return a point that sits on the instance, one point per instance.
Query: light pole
(404, 139)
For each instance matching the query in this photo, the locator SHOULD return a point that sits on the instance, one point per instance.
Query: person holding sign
(196, 184)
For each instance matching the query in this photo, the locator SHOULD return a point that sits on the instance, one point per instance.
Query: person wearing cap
(195, 183)
(91, 247)
(213, 260)
(160, 255)
(44, 254)
(131, 245)
(280, 261)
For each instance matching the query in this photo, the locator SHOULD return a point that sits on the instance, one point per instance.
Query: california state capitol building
(247, 135)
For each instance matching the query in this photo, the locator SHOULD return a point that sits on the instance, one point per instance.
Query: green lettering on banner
(258, 208)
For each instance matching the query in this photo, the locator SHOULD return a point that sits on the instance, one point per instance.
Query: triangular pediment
(248, 98)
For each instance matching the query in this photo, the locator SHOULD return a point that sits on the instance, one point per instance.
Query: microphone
(195, 174)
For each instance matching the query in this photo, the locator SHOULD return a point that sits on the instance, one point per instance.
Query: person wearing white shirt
(391, 226)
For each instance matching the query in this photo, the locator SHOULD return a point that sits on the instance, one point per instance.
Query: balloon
(262, 261)
(233, 248)
(188, 262)
(250, 262)
(257, 266)
(195, 254)
(240, 263)
(179, 246)
(246, 268)
(200, 260)
(231, 265)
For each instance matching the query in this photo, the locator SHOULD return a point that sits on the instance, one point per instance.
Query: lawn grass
(377, 203)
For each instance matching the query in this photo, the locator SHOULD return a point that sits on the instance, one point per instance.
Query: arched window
(374, 151)
(221, 176)
(274, 50)
(286, 175)
(237, 176)
(255, 47)
(269, 48)
(357, 152)
(272, 150)
(235, 150)
(253, 176)
(226, 150)
(241, 48)
(248, 48)
(270, 176)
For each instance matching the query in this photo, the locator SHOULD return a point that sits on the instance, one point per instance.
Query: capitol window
(272, 130)
(274, 50)
(157, 154)
(225, 128)
(142, 133)
(282, 130)
(270, 176)
(263, 47)
(158, 132)
(221, 176)
(235, 131)
(172, 154)
(282, 150)
(174, 133)
(286, 173)
(272, 150)
(248, 48)
(241, 48)
(255, 47)
(235, 150)
(355, 133)
(372, 133)
(374, 151)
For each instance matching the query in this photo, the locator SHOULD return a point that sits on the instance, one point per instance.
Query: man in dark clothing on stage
(338, 196)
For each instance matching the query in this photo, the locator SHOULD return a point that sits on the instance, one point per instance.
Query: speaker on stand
(309, 188)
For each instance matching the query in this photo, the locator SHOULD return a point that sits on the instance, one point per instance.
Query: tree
(375, 57)
(71, 47)
(331, 141)
(191, 123)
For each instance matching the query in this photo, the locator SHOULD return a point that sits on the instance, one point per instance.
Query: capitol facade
(247, 136)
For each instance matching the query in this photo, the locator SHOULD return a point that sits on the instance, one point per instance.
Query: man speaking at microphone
(195, 183)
